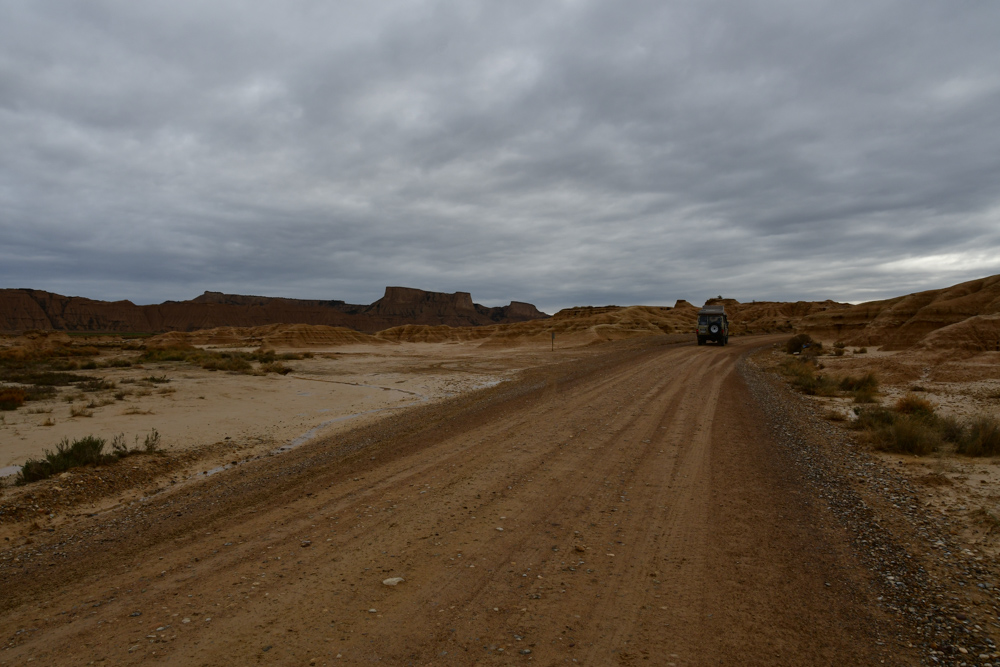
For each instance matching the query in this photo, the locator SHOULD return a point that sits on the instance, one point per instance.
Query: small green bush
(85, 451)
(275, 367)
(82, 452)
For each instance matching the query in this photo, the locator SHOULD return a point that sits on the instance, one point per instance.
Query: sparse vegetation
(80, 412)
(232, 361)
(914, 405)
(85, 451)
(913, 427)
(11, 398)
(96, 384)
(803, 344)
(275, 367)
(802, 373)
(864, 389)
(981, 437)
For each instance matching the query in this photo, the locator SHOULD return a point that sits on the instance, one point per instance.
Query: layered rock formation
(25, 309)
(959, 317)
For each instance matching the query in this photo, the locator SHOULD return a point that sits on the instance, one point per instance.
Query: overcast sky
(561, 153)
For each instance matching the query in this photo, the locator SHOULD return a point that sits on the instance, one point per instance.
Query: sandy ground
(203, 410)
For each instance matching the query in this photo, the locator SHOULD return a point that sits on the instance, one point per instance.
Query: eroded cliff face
(25, 309)
(910, 320)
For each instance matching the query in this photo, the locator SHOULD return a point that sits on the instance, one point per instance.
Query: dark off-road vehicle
(713, 325)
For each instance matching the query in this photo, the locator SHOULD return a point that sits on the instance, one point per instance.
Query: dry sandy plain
(639, 501)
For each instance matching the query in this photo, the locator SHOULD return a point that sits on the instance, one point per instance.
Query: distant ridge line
(28, 309)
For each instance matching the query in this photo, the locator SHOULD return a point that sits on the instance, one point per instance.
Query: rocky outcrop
(25, 309)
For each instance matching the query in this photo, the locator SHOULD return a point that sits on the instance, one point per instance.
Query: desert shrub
(981, 437)
(46, 378)
(900, 433)
(275, 367)
(85, 451)
(20, 354)
(952, 430)
(237, 364)
(36, 393)
(80, 412)
(914, 405)
(118, 363)
(862, 350)
(11, 398)
(909, 434)
(804, 344)
(80, 453)
(864, 389)
(797, 343)
(866, 381)
(156, 379)
(172, 353)
(96, 385)
(802, 375)
(871, 419)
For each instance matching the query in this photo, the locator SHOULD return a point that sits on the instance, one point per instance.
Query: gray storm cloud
(555, 152)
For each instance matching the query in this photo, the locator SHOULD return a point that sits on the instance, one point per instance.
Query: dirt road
(630, 507)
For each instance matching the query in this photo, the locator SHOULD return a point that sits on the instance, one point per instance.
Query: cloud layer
(566, 152)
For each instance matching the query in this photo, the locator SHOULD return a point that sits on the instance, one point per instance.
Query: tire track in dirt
(625, 453)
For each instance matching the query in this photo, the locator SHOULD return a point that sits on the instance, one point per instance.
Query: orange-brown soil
(640, 502)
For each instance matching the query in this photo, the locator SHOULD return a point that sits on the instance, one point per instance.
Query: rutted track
(629, 507)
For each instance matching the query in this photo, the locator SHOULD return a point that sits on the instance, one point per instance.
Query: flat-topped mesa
(25, 309)
(408, 297)
(416, 306)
